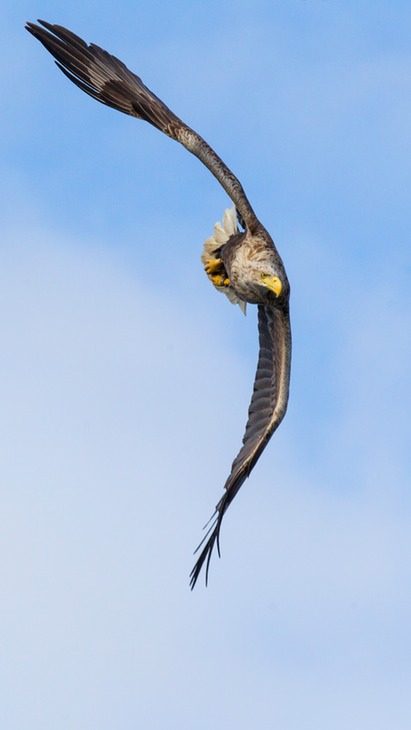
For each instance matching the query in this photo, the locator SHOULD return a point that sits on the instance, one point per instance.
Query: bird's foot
(216, 272)
(213, 266)
(220, 280)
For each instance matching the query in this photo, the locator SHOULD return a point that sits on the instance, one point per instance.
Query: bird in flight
(240, 258)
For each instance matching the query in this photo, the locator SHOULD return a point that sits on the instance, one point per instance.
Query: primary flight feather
(243, 264)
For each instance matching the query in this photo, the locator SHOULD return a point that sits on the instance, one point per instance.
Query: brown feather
(109, 81)
(267, 410)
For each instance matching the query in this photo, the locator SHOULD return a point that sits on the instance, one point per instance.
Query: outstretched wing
(267, 409)
(108, 80)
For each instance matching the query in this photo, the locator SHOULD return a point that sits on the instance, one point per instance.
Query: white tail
(222, 233)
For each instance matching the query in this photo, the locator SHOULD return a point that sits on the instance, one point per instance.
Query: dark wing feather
(108, 80)
(267, 409)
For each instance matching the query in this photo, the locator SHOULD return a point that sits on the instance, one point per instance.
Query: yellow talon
(216, 279)
(216, 272)
(213, 266)
(219, 280)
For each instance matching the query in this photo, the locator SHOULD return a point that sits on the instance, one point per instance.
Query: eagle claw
(216, 272)
(213, 266)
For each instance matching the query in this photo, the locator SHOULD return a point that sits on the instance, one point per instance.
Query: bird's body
(243, 264)
(246, 255)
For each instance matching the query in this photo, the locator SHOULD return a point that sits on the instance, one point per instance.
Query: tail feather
(221, 235)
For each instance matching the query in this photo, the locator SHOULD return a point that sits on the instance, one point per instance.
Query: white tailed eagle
(243, 263)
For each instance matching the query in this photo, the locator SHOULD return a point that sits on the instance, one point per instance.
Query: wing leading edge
(267, 410)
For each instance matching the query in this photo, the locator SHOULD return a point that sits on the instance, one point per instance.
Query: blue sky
(125, 379)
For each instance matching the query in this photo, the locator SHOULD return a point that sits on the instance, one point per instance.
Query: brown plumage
(246, 266)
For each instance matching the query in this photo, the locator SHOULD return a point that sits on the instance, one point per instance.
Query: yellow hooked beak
(273, 283)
